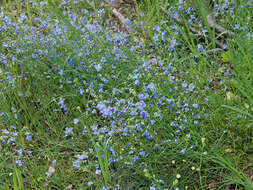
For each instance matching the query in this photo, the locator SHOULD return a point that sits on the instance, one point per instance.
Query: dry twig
(194, 30)
(123, 20)
(217, 27)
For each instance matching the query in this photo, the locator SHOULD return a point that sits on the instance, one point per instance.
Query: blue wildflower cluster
(114, 107)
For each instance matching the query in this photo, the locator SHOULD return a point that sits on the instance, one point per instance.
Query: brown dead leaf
(228, 150)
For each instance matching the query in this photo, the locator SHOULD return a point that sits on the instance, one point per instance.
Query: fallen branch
(217, 27)
(210, 21)
(123, 21)
(194, 30)
(121, 18)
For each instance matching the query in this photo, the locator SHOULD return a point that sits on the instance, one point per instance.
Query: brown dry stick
(123, 20)
(217, 27)
(194, 30)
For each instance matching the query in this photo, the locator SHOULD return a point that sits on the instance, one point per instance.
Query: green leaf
(17, 179)
(226, 56)
(238, 110)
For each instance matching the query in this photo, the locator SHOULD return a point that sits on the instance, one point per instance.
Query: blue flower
(28, 137)
(184, 85)
(237, 26)
(20, 151)
(200, 47)
(151, 87)
(84, 130)
(76, 164)
(15, 116)
(136, 158)
(76, 121)
(81, 91)
(98, 172)
(152, 187)
(107, 111)
(61, 103)
(90, 150)
(142, 153)
(19, 163)
(146, 134)
(141, 105)
(127, 22)
(5, 131)
(195, 106)
(98, 67)
(69, 130)
(183, 151)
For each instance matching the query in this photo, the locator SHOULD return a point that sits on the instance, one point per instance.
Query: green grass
(83, 106)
